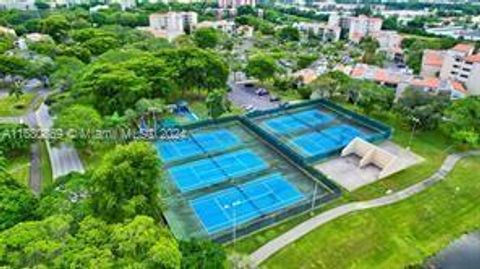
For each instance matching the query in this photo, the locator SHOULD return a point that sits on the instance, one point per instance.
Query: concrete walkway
(267, 250)
(35, 180)
(63, 158)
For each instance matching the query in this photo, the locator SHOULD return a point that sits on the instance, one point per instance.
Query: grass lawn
(45, 166)
(19, 166)
(11, 106)
(396, 235)
(200, 109)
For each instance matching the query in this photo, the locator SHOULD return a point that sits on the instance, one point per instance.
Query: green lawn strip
(11, 106)
(396, 235)
(18, 165)
(45, 165)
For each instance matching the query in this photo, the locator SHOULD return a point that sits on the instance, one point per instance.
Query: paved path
(267, 250)
(35, 180)
(63, 158)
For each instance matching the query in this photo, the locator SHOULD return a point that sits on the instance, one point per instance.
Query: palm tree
(16, 89)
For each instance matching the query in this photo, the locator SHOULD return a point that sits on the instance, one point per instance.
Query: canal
(463, 253)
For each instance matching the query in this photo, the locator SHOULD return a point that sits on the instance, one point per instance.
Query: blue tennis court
(297, 121)
(196, 144)
(343, 133)
(330, 139)
(221, 210)
(206, 172)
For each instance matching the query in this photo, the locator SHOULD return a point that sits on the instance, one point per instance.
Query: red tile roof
(475, 58)
(358, 71)
(465, 48)
(432, 57)
(426, 82)
(458, 86)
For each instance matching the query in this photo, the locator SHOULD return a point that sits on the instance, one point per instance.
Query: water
(463, 253)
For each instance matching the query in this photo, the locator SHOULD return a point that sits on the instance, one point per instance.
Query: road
(267, 250)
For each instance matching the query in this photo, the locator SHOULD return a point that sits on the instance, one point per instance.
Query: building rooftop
(464, 48)
(425, 82)
(433, 57)
(475, 58)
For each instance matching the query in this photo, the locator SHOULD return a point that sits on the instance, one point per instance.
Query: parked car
(261, 92)
(249, 108)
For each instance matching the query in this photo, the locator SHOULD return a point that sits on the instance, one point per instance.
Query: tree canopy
(16, 202)
(462, 121)
(206, 37)
(54, 243)
(126, 183)
(262, 67)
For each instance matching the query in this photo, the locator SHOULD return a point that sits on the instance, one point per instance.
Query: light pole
(315, 189)
(415, 122)
(234, 227)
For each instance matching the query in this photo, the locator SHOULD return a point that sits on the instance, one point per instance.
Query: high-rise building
(362, 26)
(172, 24)
(235, 3)
(357, 27)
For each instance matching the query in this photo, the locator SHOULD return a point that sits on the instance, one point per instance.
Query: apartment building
(459, 63)
(324, 31)
(172, 24)
(357, 27)
(363, 26)
(235, 3)
(18, 4)
(399, 81)
(391, 43)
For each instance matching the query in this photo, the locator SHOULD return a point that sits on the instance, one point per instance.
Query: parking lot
(246, 97)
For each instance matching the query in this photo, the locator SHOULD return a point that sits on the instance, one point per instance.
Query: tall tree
(421, 109)
(80, 121)
(17, 203)
(202, 254)
(57, 242)
(196, 68)
(113, 88)
(289, 34)
(56, 26)
(262, 67)
(16, 88)
(462, 121)
(217, 103)
(126, 183)
(206, 37)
